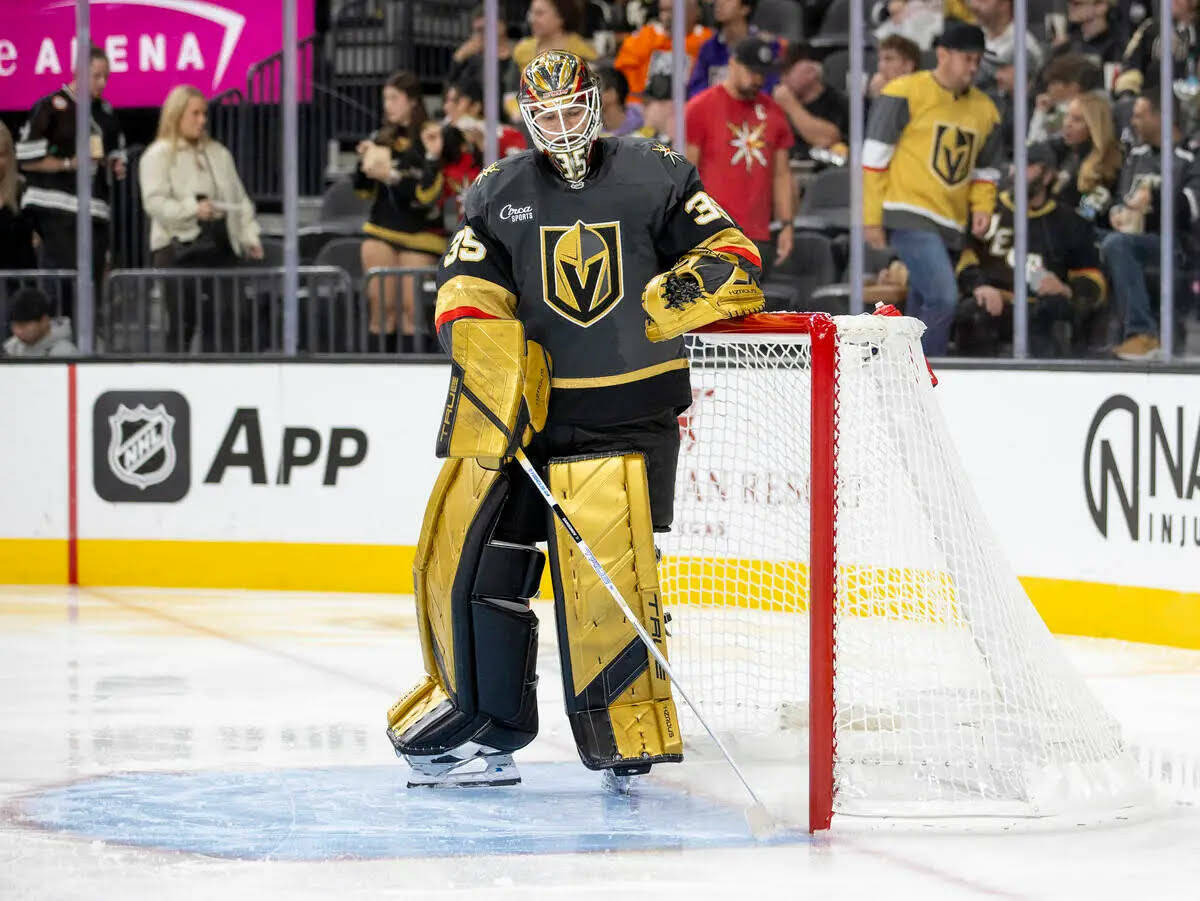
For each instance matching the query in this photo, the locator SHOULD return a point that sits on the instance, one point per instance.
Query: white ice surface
(204, 687)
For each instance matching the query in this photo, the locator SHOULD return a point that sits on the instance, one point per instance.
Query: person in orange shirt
(647, 51)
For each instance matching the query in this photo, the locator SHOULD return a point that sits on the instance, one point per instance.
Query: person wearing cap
(929, 174)
(818, 112)
(34, 332)
(713, 59)
(740, 139)
(1066, 287)
(647, 52)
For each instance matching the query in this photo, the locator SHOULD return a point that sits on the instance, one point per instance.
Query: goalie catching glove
(703, 287)
(499, 392)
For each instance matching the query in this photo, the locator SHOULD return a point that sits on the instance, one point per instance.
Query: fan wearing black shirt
(818, 113)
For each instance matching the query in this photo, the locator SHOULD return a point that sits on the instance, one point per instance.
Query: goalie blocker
(477, 568)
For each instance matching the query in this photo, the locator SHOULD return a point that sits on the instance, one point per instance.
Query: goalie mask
(560, 103)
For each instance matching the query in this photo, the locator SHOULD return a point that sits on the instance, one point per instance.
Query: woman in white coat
(200, 214)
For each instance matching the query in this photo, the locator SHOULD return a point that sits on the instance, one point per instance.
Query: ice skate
(469, 764)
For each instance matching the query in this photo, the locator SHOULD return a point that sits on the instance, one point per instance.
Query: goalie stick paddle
(758, 818)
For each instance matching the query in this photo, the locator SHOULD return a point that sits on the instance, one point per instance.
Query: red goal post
(830, 570)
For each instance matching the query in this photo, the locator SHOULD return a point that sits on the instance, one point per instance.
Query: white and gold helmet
(560, 103)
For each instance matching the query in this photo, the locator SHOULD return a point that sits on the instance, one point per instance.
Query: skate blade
(480, 780)
(616, 785)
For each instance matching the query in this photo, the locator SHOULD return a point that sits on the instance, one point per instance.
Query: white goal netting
(950, 695)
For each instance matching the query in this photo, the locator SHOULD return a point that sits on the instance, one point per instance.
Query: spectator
(995, 77)
(1136, 241)
(929, 171)
(1066, 77)
(200, 214)
(647, 52)
(46, 153)
(739, 140)
(919, 21)
(553, 25)
(658, 111)
(1140, 62)
(467, 63)
(400, 166)
(1092, 33)
(1066, 288)
(618, 119)
(897, 56)
(733, 17)
(463, 108)
(16, 228)
(819, 114)
(34, 333)
(1090, 158)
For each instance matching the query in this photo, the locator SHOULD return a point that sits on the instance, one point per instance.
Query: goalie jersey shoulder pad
(571, 261)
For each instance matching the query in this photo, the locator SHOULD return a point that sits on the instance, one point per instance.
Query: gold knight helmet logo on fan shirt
(953, 153)
(581, 270)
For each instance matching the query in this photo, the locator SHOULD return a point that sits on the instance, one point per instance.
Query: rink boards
(314, 477)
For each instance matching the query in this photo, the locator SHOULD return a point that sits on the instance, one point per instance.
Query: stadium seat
(825, 206)
(782, 18)
(810, 265)
(837, 68)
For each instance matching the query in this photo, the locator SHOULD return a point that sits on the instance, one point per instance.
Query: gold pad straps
(618, 698)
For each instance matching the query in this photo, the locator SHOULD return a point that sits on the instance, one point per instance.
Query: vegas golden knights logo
(581, 270)
(953, 153)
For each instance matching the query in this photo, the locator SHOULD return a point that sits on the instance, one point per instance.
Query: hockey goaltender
(520, 297)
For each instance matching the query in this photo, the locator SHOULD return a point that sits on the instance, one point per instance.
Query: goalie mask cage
(830, 570)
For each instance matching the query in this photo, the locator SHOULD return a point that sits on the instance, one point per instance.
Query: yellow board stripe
(1151, 615)
(607, 381)
(33, 561)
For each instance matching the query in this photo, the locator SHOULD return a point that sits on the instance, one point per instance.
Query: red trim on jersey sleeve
(873, 169)
(461, 313)
(742, 252)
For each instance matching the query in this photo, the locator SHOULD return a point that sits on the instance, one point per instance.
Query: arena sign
(152, 45)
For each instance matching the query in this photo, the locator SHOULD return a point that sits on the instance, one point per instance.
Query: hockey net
(830, 575)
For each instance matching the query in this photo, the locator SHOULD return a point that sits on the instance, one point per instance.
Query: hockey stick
(759, 819)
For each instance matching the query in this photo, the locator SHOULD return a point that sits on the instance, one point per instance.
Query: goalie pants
(524, 519)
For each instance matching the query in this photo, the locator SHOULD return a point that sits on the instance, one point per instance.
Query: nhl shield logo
(141, 446)
(953, 153)
(582, 270)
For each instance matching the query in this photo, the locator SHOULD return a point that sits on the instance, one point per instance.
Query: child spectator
(618, 118)
(897, 56)
(16, 228)
(647, 52)
(34, 333)
(400, 167)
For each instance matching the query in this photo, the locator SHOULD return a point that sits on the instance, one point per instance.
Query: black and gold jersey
(1060, 241)
(50, 132)
(570, 260)
(407, 213)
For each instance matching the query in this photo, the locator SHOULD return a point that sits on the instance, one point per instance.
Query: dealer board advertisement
(152, 45)
(296, 475)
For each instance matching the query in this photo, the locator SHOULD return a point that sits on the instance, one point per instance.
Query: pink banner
(152, 45)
